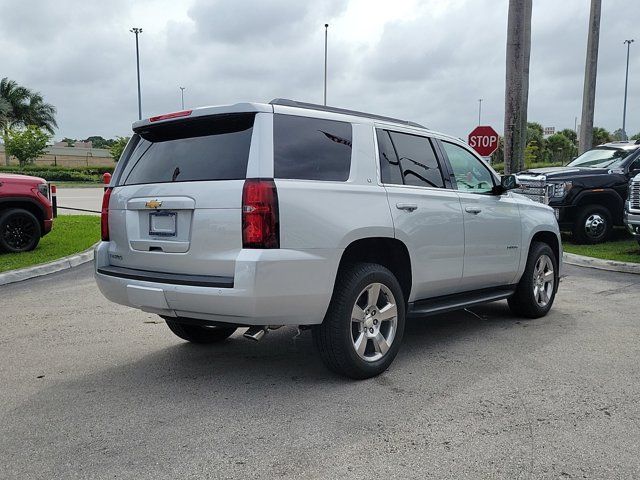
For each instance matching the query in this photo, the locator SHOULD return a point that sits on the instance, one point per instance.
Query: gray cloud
(431, 67)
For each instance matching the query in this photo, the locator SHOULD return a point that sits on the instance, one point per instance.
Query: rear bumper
(269, 287)
(632, 221)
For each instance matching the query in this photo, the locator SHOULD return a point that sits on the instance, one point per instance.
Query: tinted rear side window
(389, 165)
(408, 159)
(311, 148)
(210, 148)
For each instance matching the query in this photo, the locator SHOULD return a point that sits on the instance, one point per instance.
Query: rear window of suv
(207, 148)
(311, 148)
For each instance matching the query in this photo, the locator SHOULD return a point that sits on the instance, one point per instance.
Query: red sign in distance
(484, 140)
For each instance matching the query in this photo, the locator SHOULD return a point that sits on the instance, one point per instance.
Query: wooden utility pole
(528, 4)
(515, 119)
(590, 71)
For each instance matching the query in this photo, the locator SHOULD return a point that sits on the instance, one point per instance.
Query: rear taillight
(104, 215)
(260, 219)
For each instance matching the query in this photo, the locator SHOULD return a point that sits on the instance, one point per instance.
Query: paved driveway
(88, 198)
(95, 390)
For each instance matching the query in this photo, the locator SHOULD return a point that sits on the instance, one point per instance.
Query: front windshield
(601, 158)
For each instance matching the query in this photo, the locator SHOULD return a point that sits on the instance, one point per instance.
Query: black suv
(588, 194)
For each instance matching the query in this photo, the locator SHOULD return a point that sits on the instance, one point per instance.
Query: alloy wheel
(543, 280)
(374, 321)
(18, 231)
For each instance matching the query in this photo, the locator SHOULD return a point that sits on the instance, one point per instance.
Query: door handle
(474, 210)
(409, 207)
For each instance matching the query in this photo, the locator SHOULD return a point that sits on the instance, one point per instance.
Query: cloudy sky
(423, 60)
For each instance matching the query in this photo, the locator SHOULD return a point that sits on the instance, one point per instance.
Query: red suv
(25, 212)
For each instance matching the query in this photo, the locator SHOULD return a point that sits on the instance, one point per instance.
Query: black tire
(590, 235)
(19, 230)
(199, 334)
(334, 338)
(523, 302)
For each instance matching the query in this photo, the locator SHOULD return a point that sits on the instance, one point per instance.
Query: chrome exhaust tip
(256, 333)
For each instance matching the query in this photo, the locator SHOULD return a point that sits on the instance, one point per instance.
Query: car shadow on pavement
(187, 392)
(286, 357)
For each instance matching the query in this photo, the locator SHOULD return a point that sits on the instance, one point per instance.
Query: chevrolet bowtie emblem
(153, 204)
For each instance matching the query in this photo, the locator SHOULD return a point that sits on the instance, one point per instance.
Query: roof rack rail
(285, 102)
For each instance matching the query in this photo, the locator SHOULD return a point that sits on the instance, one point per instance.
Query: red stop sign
(484, 140)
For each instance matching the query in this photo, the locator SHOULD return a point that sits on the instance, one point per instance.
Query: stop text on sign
(480, 141)
(484, 140)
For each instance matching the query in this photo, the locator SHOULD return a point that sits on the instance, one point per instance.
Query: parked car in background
(26, 214)
(588, 195)
(263, 215)
(632, 208)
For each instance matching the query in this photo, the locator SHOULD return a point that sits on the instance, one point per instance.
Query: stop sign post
(484, 140)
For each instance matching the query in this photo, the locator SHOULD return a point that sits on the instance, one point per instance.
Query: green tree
(531, 154)
(570, 134)
(560, 148)
(69, 141)
(617, 135)
(635, 137)
(26, 144)
(600, 135)
(5, 108)
(99, 142)
(25, 107)
(117, 147)
(535, 148)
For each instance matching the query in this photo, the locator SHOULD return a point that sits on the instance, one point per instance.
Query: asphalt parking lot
(95, 390)
(85, 198)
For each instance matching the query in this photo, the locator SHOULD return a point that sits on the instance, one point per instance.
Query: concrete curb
(63, 263)
(610, 265)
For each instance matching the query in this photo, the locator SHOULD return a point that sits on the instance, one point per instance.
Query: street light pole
(136, 31)
(326, 29)
(479, 111)
(626, 81)
(182, 96)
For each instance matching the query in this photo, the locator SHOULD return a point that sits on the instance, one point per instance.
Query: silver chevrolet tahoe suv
(262, 215)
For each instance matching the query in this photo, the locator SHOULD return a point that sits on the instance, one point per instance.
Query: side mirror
(508, 182)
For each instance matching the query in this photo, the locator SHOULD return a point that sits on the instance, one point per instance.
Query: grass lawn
(71, 234)
(621, 249)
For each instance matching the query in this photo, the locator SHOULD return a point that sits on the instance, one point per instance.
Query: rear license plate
(163, 223)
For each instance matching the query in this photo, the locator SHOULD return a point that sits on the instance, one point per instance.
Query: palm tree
(23, 107)
(5, 108)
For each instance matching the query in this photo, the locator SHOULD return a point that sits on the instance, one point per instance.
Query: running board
(458, 301)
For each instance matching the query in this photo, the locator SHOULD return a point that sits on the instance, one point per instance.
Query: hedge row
(89, 170)
(61, 174)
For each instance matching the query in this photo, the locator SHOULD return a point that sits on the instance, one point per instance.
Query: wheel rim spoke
(544, 295)
(373, 294)
(388, 312)
(361, 344)
(380, 344)
(357, 314)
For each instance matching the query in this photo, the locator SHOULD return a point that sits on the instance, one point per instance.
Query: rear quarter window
(311, 149)
(208, 148)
